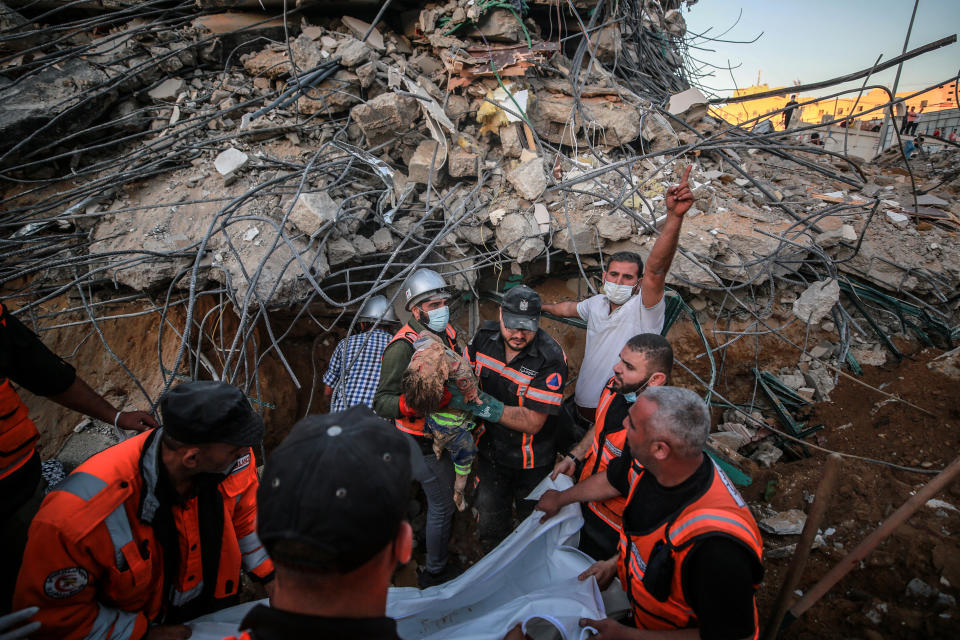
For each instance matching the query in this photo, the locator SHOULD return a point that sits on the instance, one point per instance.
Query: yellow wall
(943, 97)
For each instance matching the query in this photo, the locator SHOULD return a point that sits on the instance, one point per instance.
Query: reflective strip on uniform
(510, 374)
(544, 396)
(83, 485)
(122, 624)
(118, 526)
(675, 532)
(150, 502)
(252, 551)
(527, 448)
(179, 599)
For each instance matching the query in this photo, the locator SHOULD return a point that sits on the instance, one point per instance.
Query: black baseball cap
(521, 308)
(207, 411)
(335, 491)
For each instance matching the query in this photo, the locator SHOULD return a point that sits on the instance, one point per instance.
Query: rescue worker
(26, 361)
(425, 296)
(333, 518)
(521, 370)
(618, 314)
(354, 370)
(689, 556)
(645, 361)
(154, 529)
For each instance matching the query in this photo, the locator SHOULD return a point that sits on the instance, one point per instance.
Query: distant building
(863, 111)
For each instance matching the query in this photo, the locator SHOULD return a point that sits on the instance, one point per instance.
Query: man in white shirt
(618, 314)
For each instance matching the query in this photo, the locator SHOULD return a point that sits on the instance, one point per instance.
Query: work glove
(488, 408)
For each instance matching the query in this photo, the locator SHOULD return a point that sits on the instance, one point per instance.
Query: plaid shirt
(362, 365)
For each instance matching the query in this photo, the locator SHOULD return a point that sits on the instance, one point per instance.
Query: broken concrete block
(352, 52)
(766, 454)
(608, 120)
(528, 177)
(816, 301)
(463, 163)
(334, 95)
(359, 29)
(821, 350)
(542, 216)
(820, 378)
(518, 235)
(426, 165)
(385, 116)
(229, 162)
(364, 246)
(730, 439)
(499, 25)
(607, 43)
(510, 141)
(898, 220)
(339, 251)
(382, 239)
(785, 523)
(848, 233)
(312, 211)
(615, 226)
(167, 90)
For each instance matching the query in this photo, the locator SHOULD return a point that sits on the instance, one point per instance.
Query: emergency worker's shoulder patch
(64, 583)
(554, 381)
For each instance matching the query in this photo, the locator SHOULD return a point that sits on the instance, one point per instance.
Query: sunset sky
(819, 39)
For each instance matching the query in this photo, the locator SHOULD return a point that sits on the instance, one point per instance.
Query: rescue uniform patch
(66, 582)
(241, 463)
(554, 381)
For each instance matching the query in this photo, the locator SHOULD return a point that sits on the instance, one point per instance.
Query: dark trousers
(501, 493)
(597, 539)
(13, 541)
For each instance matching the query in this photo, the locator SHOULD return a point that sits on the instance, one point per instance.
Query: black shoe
(431, 579)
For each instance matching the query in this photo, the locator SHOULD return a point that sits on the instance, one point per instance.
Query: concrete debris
(786, 523)
(816, 301)
(312, 212)
(767, 454)
(917, 588)
(386, 116)
(528, 177)
(229, 162)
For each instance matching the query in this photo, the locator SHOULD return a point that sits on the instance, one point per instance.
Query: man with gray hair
(690, 552)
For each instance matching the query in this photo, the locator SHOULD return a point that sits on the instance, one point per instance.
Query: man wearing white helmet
(354, 370)
(425, 297)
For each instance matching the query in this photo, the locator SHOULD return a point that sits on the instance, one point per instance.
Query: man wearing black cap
(333, 518)
(522, 370)
(154, 529)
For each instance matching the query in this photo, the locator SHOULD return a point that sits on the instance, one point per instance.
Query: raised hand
(679, 196)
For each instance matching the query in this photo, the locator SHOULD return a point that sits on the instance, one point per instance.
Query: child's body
(424, 384)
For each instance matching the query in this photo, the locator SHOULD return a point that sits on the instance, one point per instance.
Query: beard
(620, 387)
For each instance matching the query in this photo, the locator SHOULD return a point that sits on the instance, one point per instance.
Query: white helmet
(424, 284)
(377, 308)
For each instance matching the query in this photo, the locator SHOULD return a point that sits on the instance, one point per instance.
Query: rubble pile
(285, 159)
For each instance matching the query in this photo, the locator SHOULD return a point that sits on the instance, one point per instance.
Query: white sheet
(530, 578)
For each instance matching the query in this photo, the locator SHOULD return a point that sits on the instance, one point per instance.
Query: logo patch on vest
(554, 381)
(65, 582)
(241, 463)
(524, 305)
(528, 372)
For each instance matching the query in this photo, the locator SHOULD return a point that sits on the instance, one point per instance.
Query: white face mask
(617, 293)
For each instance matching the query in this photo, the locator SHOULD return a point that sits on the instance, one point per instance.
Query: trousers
(501, 493)
(436, 477)
(13, 537)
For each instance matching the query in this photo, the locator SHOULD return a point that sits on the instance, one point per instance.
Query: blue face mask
(632, 396)
(437, 319)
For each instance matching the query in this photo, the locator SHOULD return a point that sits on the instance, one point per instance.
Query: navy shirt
(534, 379)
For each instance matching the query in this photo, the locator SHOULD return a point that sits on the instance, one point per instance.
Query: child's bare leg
(458, 488)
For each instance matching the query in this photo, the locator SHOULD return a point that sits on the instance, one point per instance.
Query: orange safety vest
(601, 455)
(416, 426)
(18, 434)
(93, 563)
(719, 511)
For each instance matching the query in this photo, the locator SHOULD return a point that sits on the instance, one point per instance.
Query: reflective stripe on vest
(600, 457)
(720, 510)
(417, 426)
(252, 552)
(85, 486)
(178, 598)
(113, 624)
(18, 434)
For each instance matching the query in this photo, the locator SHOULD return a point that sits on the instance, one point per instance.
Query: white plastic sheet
(530, 578)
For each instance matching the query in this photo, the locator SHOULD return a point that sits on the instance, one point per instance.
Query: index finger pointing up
(686, 174)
